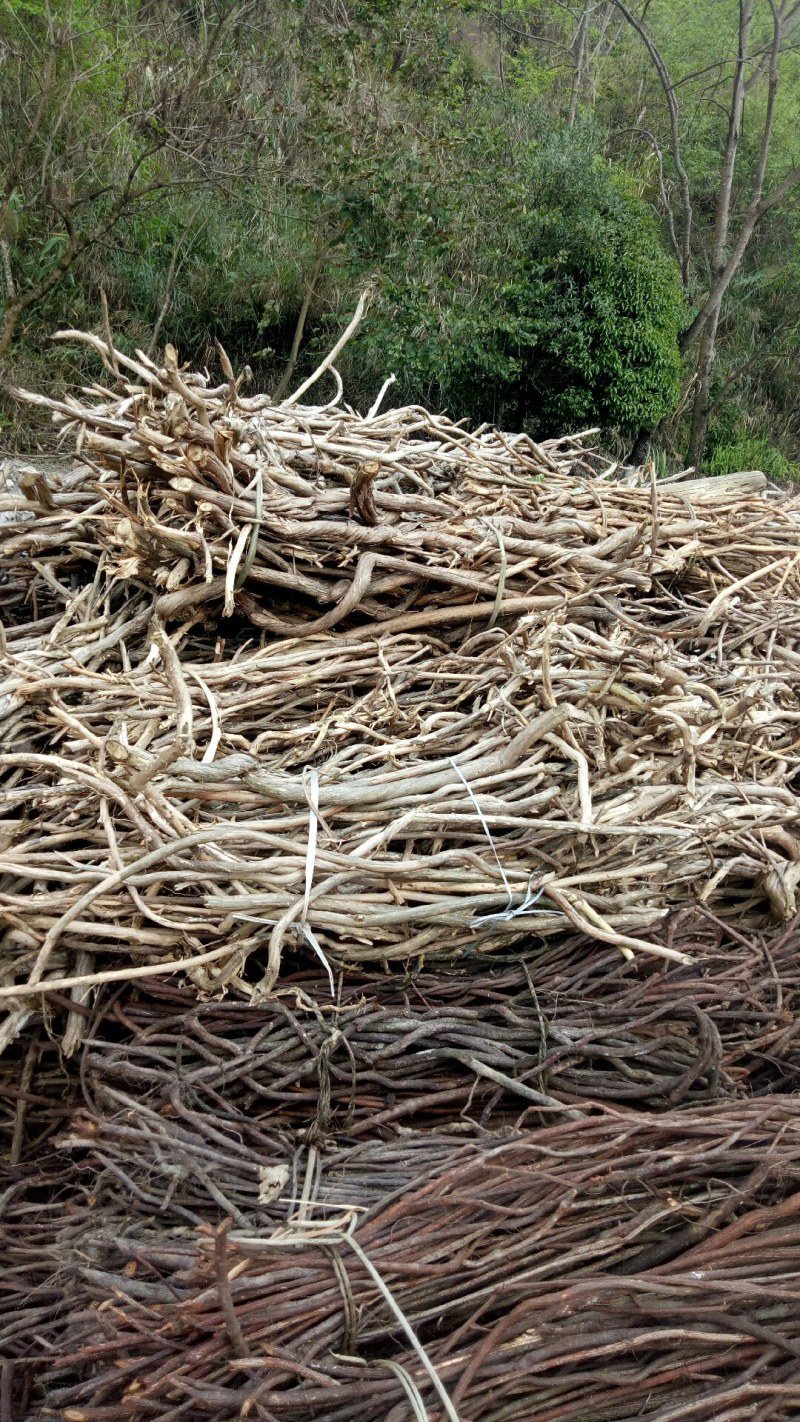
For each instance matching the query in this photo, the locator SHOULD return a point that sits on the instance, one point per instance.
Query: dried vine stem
(535, 698)
(653, 1254)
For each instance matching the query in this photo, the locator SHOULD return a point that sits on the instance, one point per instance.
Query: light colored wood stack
(378, 688)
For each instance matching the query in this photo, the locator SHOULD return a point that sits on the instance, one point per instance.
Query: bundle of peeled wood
(603, 1267)
(537, 698)
(403, 519)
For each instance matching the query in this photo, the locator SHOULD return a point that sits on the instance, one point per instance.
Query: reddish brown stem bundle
(636, 1250)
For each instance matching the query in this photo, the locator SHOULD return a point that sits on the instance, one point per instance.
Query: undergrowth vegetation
(239, 172)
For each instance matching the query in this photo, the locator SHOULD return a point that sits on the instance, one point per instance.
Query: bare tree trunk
(579, 60)
(704, 369)
(723, 212)
(670, 94)
(727, 251)
(707, 348)
(283, 385)
(8, 275)
(11, 317)
(170, 281)
(759, 204)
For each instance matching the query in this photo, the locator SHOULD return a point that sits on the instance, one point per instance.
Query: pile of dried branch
(606, 1267)
(37, 1096)
(377, 686)
(486, 1044)
(42, 1216)
(187, 1105)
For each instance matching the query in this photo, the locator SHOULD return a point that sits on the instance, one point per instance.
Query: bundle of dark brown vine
(377, 687)
(490, 1045)
(620, 1265)
(313, 1210)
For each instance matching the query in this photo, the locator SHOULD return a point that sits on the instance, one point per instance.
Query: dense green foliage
(241, 169)
(573, 319)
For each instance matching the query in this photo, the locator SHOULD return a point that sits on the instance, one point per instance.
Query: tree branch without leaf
(675, 133)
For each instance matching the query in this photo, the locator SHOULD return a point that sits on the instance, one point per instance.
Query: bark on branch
(675, 134)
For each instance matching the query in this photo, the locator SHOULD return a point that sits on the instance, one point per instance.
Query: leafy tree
(747, 65)
(574, 317)
(104, 115)
(698, 101)
(241, 169)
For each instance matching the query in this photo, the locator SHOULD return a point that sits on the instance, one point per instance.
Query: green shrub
(572, 316)
(518, 276)
(752, 452)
